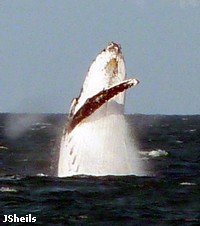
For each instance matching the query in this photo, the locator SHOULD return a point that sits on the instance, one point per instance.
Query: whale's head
(105, 82)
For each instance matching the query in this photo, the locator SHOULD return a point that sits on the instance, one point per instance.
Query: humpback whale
(96, 140)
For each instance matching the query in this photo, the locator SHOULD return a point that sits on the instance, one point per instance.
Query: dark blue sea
(29, 148)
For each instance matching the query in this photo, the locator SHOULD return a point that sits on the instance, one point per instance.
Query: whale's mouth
(113, 47)
(112, 67)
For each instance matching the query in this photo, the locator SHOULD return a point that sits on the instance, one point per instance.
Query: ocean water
(29, 187)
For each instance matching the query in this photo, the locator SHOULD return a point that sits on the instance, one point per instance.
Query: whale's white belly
(100, 147)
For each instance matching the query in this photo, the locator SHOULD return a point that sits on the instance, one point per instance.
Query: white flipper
(95, 102)
(97, 140)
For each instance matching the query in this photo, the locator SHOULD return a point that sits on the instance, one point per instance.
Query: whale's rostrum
(96, 140)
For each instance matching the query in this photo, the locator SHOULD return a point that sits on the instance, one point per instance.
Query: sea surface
(29, 148)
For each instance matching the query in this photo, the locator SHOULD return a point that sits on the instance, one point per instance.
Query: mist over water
(15, 126)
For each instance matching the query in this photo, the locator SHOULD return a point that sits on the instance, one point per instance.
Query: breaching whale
(96, 140)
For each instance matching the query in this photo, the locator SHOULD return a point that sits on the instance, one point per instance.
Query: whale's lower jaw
(99, 147)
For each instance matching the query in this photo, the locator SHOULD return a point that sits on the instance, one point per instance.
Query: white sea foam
(188, 184)
(190, 130)
(3, 147)
(154, 153)
(7, 189)
(41, 175)
(179, 141)
(158, 153)
(40, 125)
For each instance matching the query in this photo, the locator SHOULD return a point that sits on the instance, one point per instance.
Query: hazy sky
(47, 46)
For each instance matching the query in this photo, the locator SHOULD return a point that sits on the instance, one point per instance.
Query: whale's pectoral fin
(95, 102)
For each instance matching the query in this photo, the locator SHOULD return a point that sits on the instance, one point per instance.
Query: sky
(46, 48)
